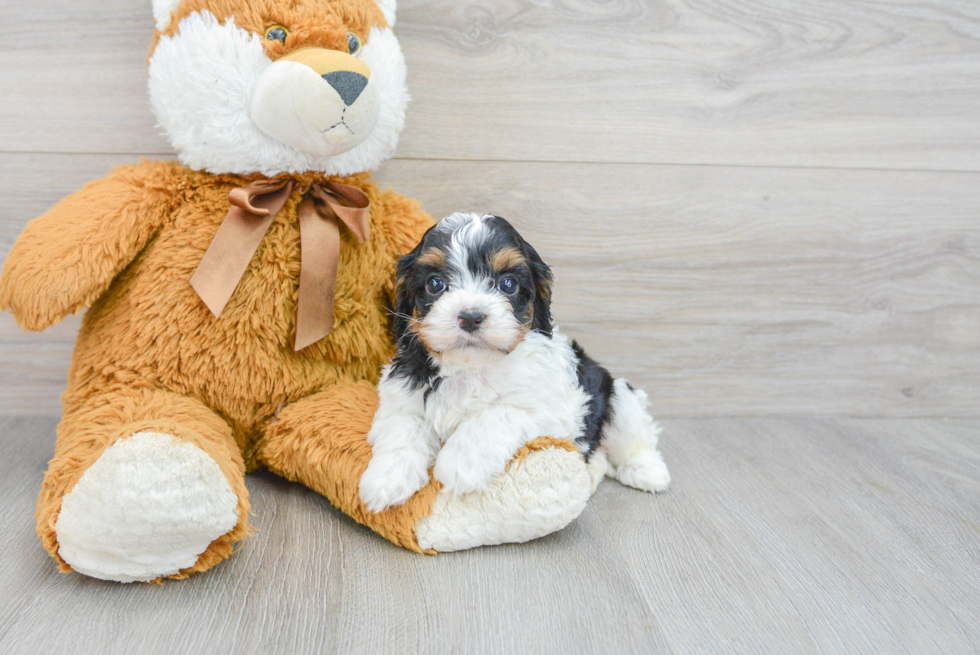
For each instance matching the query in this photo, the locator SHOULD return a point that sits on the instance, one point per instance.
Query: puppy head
(272, 86)
(471, 290)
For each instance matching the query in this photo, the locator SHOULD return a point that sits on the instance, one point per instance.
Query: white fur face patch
(205, 82)
(469, 290)
(498, 334)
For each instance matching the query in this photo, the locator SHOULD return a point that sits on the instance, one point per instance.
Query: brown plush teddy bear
(237, 302)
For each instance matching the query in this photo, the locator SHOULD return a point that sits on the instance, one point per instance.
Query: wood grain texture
(722, 291)
(776, 281)
(852, 83)
(778, 536)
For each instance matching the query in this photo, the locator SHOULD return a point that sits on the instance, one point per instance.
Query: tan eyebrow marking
(507, 258)
(433, 257)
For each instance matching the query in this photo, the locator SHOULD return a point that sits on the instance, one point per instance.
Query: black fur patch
(412, 360)
(542, 299)
(598, 384)
(534, 300)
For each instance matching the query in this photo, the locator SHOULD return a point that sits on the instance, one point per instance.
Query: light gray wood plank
(852, 83)
(795, 542)
(767, 82)
(737, 291)
(573, 590)
(790, 535)
(722, 291)
(74, 78)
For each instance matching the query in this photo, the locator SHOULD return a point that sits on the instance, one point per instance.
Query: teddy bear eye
(277, 33)
(353, 43)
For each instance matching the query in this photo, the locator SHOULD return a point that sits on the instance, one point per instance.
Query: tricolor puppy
(480, 370)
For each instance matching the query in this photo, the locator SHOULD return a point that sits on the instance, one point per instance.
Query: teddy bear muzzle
(317, 101)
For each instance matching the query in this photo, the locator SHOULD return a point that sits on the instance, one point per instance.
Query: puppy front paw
(465, 469)
(390, 480)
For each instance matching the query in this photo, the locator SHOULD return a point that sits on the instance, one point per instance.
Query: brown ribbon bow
(253, 208)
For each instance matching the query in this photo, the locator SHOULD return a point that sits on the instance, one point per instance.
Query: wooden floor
(765, 212)
(779, 536)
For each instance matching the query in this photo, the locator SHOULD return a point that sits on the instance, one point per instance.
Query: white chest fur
(472, 423)
(539, 378)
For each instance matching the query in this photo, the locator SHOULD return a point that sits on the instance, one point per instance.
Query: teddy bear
(237, 302)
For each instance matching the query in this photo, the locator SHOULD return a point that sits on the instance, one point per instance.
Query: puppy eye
(435, 285)
(508, 285)
(353, 43)
(276, 33)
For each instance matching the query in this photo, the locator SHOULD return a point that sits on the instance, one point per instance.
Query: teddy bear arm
(66, 258)
(407, 222)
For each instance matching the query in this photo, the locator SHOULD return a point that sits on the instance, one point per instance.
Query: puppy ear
(543, 279)
(404, 297)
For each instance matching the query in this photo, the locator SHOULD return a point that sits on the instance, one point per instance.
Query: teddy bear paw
(536, 496)
(147, 508)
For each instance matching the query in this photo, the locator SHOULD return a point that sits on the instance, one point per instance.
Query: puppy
(480, 370)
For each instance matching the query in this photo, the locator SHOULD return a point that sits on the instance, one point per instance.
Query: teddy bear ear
(163, 8)
(387, 8)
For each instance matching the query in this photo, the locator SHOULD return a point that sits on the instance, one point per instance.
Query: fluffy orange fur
(311, 23)
(150, 356)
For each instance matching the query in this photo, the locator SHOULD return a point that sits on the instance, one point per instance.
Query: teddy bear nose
(347, 84)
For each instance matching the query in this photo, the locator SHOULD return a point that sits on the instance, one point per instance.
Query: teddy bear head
(274, 86)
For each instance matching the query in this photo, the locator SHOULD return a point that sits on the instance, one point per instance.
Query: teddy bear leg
(321, 441)
(144, 484)
(544, 489)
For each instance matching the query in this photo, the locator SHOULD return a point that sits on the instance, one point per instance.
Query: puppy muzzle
(462, 319)
(317, 101)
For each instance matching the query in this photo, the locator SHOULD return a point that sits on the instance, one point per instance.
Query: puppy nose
(346, 83)
(470, 319)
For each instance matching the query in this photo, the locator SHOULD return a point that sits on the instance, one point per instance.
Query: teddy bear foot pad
(540, 494)
(147, 508)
